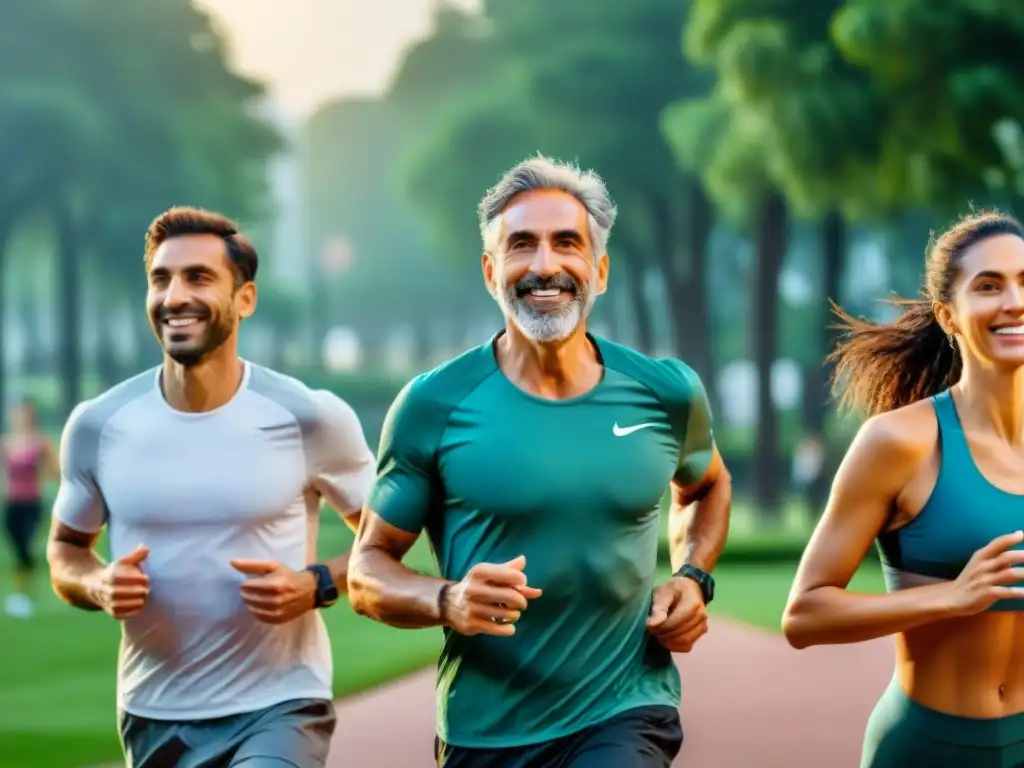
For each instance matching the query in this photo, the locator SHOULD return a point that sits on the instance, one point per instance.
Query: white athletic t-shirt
(199, 489)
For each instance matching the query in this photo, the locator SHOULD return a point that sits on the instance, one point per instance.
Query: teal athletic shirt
(492, 473)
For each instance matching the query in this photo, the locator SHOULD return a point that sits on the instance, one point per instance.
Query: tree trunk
(772, 234)
(422, 345)
(698, 236)
(635, 274)
(609, 312)
(108, 364)
(108, 367)
(36, 361)
(685, 282)
(6, 230)
(69, 312)
(833, 251)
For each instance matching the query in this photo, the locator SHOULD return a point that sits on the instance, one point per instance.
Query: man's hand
(276, 594)
(489, 600)
(122, 586)
(678, 616)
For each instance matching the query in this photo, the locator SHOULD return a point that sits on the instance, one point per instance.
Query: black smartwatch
(326, 589)
(703, 579)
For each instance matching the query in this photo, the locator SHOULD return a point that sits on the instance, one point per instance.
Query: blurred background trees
(766, 158)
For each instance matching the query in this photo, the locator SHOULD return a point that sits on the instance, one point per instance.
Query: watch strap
(704, 580)
(326, 589)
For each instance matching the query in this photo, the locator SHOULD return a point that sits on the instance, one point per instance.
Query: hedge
(760, 550)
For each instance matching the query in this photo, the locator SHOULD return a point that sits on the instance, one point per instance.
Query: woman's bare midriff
(970, 667)
(973, 666)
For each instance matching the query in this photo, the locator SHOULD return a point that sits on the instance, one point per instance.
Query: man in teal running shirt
(536, 463)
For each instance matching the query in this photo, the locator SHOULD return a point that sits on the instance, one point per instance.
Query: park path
(749, 700)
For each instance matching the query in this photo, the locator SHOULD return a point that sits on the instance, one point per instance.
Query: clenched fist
(123, 587)
(490, 599)
(678, 616)
(276, 594)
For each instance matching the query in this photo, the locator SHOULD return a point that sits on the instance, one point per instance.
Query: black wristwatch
(326, 589)
(704, 580)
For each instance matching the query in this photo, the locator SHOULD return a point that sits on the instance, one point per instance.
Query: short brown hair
(883, 366)
(181, 220)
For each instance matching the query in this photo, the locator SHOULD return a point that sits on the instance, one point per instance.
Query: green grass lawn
(756, 594)
(57, 670)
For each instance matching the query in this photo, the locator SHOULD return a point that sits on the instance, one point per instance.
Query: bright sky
(318, 50)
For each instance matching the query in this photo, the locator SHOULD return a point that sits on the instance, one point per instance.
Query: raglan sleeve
(79, 503)
(406, 472)
(690, 415)
(343, 464)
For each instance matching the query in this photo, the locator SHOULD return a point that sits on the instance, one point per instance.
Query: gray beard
(541, 326)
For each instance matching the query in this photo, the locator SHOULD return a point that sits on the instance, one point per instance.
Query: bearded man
(208, 473)
(537, 464)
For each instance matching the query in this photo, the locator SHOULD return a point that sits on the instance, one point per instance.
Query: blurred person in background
(935, 476)
(537, 463)
(208, 474)
(29, 460)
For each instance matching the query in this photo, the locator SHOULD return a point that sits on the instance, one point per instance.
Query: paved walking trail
(749, 701)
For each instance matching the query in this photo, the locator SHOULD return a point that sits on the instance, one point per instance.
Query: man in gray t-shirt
(208, 473)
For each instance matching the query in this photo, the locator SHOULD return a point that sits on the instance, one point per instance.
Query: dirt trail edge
(749, 701)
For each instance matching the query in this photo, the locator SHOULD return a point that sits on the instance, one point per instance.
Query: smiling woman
(935, 477)
(884, 367)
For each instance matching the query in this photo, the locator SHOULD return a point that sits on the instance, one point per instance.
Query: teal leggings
(904, 734)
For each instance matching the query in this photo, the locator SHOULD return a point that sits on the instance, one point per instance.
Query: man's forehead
(189, 251)
(543, 210)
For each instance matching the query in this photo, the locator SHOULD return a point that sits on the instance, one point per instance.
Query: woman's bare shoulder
(905, 436)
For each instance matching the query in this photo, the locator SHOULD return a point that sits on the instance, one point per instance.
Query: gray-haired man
(536, 463)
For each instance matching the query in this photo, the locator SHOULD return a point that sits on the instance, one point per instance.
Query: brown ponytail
(883, 366)
(880, 367)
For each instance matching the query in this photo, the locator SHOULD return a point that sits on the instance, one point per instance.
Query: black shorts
(645, 737)
(21, 521)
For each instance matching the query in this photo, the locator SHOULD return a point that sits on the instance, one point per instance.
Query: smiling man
(537, 464)
(208, 473)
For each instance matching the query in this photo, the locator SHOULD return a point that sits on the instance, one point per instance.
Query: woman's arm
(882, 459)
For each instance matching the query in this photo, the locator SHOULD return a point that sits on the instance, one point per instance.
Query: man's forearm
(338, 566)
(73, 570)
(383, 589)
(698, 528)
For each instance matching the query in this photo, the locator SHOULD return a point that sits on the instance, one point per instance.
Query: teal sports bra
(963, 514)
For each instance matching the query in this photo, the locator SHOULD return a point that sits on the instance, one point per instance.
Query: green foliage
(125, 110)
(579, 96)
(351, 167)
(447, 185)
(800, 118)
(948, 74)
(456, 87)
(136, 105)
(725, 146)
(867, 107)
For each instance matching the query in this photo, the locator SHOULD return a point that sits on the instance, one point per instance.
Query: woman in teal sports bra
(935, 479)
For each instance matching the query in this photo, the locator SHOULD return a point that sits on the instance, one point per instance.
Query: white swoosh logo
(623, 431)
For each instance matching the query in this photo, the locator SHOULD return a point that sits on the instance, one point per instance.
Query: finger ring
(497, 620)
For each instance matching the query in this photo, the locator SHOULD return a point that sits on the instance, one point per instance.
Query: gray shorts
(292, 734)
